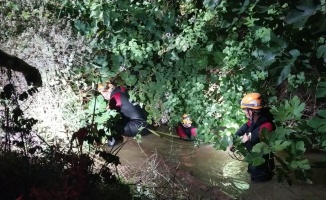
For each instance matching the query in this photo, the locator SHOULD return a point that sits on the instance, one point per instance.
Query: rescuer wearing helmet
(185, 129)
(259, 118)
(133, 117)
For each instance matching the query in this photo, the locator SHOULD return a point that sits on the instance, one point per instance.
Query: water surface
(220, 169)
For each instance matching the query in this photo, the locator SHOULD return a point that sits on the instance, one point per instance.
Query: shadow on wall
(31, 74)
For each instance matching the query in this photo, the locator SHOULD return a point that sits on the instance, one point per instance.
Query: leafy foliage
(33, 169)
(199, 58)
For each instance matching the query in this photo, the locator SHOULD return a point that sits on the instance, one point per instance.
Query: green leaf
(261, 148)
(210, 47)
(130, 79)
(303, 164)
(79, 25)
(264, 57)
(258, 161)
(218, 57)
(99, 103)
(26, 15)
(324, 143)
(295, 53)
(113, 42)
(284, 74)
(104, 72)
(280, 145)
(322, 84)
(210, 4)
(281, 132)
(322, 129)
(318, 123)
(94, 6)
(289, 110)
(300, 146)
(322, 113)
(289, 63)
(300, 14)
(321, 90)
(321, 51)
(244, 6)
(297, 106)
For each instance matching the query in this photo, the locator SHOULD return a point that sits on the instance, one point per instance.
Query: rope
(163, 135)
(158, 133)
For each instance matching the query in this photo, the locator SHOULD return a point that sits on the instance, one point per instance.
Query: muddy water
(218, 168)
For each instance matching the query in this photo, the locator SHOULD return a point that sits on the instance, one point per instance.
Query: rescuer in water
(185, 130)
(133, 117)
(259, 118)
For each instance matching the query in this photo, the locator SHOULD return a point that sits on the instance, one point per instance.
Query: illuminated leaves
(261, 148)
(264, 34)
(171, 59)
(280, 145)
(255, 159)
(289, 110)
(300, 164)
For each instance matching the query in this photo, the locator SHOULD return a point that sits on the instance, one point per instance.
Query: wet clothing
(133, 116)
(186, 133)
(263, 172)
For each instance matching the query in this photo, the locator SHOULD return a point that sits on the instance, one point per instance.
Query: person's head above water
(106, 89)
(186, 121)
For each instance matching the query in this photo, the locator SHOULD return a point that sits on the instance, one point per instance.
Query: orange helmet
(186, 120)
(252, 101)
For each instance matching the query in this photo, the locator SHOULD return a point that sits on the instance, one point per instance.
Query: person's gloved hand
(232, 149)
(245, 138)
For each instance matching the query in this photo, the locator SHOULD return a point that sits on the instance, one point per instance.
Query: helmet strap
(252, 115)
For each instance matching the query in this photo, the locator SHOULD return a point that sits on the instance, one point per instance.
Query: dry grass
(55, 52)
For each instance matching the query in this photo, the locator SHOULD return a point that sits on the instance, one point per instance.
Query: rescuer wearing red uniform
(259, 118)
(133, 117)
(185, 129)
